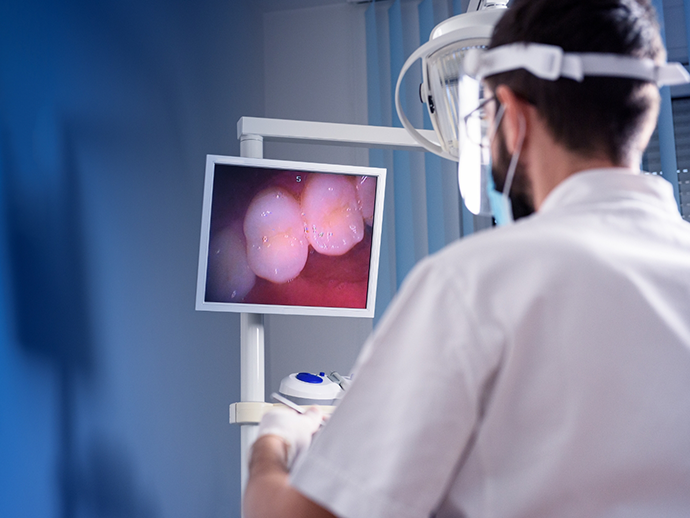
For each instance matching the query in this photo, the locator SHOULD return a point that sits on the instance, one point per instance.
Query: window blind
(652, 159)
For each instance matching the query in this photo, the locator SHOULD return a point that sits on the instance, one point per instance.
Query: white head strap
(550, 62)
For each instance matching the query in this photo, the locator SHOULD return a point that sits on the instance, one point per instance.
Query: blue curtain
(423, 208)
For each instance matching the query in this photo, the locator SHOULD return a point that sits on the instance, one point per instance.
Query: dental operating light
(450, 93)
(442, 67)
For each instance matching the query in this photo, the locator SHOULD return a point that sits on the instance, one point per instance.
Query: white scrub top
(537, 370)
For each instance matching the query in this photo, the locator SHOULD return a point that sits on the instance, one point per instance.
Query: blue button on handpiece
(308, 377)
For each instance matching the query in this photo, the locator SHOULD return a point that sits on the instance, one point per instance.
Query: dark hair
(600, 115)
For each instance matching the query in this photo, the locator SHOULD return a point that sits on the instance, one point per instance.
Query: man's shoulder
(562, 244)
(523, 238)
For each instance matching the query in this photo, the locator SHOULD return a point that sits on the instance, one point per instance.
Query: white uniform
(538, 370)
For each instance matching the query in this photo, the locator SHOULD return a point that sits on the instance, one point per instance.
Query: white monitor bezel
(274, 309)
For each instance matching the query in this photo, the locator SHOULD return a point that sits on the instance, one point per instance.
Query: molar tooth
(331, 212)
(277, 249)
(366, 197)
(229, 276)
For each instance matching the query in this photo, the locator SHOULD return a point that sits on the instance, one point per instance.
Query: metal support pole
(252, 364)
(252, 146)
(251, 380)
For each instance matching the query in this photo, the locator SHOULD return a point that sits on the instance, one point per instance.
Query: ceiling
(284, 5)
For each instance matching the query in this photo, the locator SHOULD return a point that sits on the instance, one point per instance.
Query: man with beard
(539, 369)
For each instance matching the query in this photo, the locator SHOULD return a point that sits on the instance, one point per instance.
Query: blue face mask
(501, 205)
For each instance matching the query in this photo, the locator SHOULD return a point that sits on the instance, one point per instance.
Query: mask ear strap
(516, 155)
(497, 122)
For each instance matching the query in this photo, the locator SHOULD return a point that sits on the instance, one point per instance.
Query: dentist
(541, 369)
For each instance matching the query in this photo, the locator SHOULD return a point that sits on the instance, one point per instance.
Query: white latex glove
(295, 429)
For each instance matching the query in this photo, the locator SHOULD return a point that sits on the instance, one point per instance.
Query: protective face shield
(477, 132)
(461, 121)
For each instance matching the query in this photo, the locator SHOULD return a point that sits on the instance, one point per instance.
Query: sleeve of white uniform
(392, 447)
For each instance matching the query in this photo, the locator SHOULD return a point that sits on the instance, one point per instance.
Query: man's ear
(516, 114)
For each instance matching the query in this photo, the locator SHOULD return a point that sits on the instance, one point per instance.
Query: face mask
(501, 205)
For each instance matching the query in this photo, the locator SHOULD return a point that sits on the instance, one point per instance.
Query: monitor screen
(293, 238)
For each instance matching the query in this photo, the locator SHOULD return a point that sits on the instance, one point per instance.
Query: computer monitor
(291, 238)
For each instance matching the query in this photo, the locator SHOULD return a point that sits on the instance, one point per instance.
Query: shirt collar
(595, 186)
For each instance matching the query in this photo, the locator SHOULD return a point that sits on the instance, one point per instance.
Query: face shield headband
(546, 62)
(551, 63)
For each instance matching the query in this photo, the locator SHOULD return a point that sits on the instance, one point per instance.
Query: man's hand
(283, 435)
(296, 430)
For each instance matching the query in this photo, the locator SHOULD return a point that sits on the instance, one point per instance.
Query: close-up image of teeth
(290, 238)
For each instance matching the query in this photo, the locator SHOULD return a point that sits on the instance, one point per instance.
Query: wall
(315, 69)
(113, 390)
